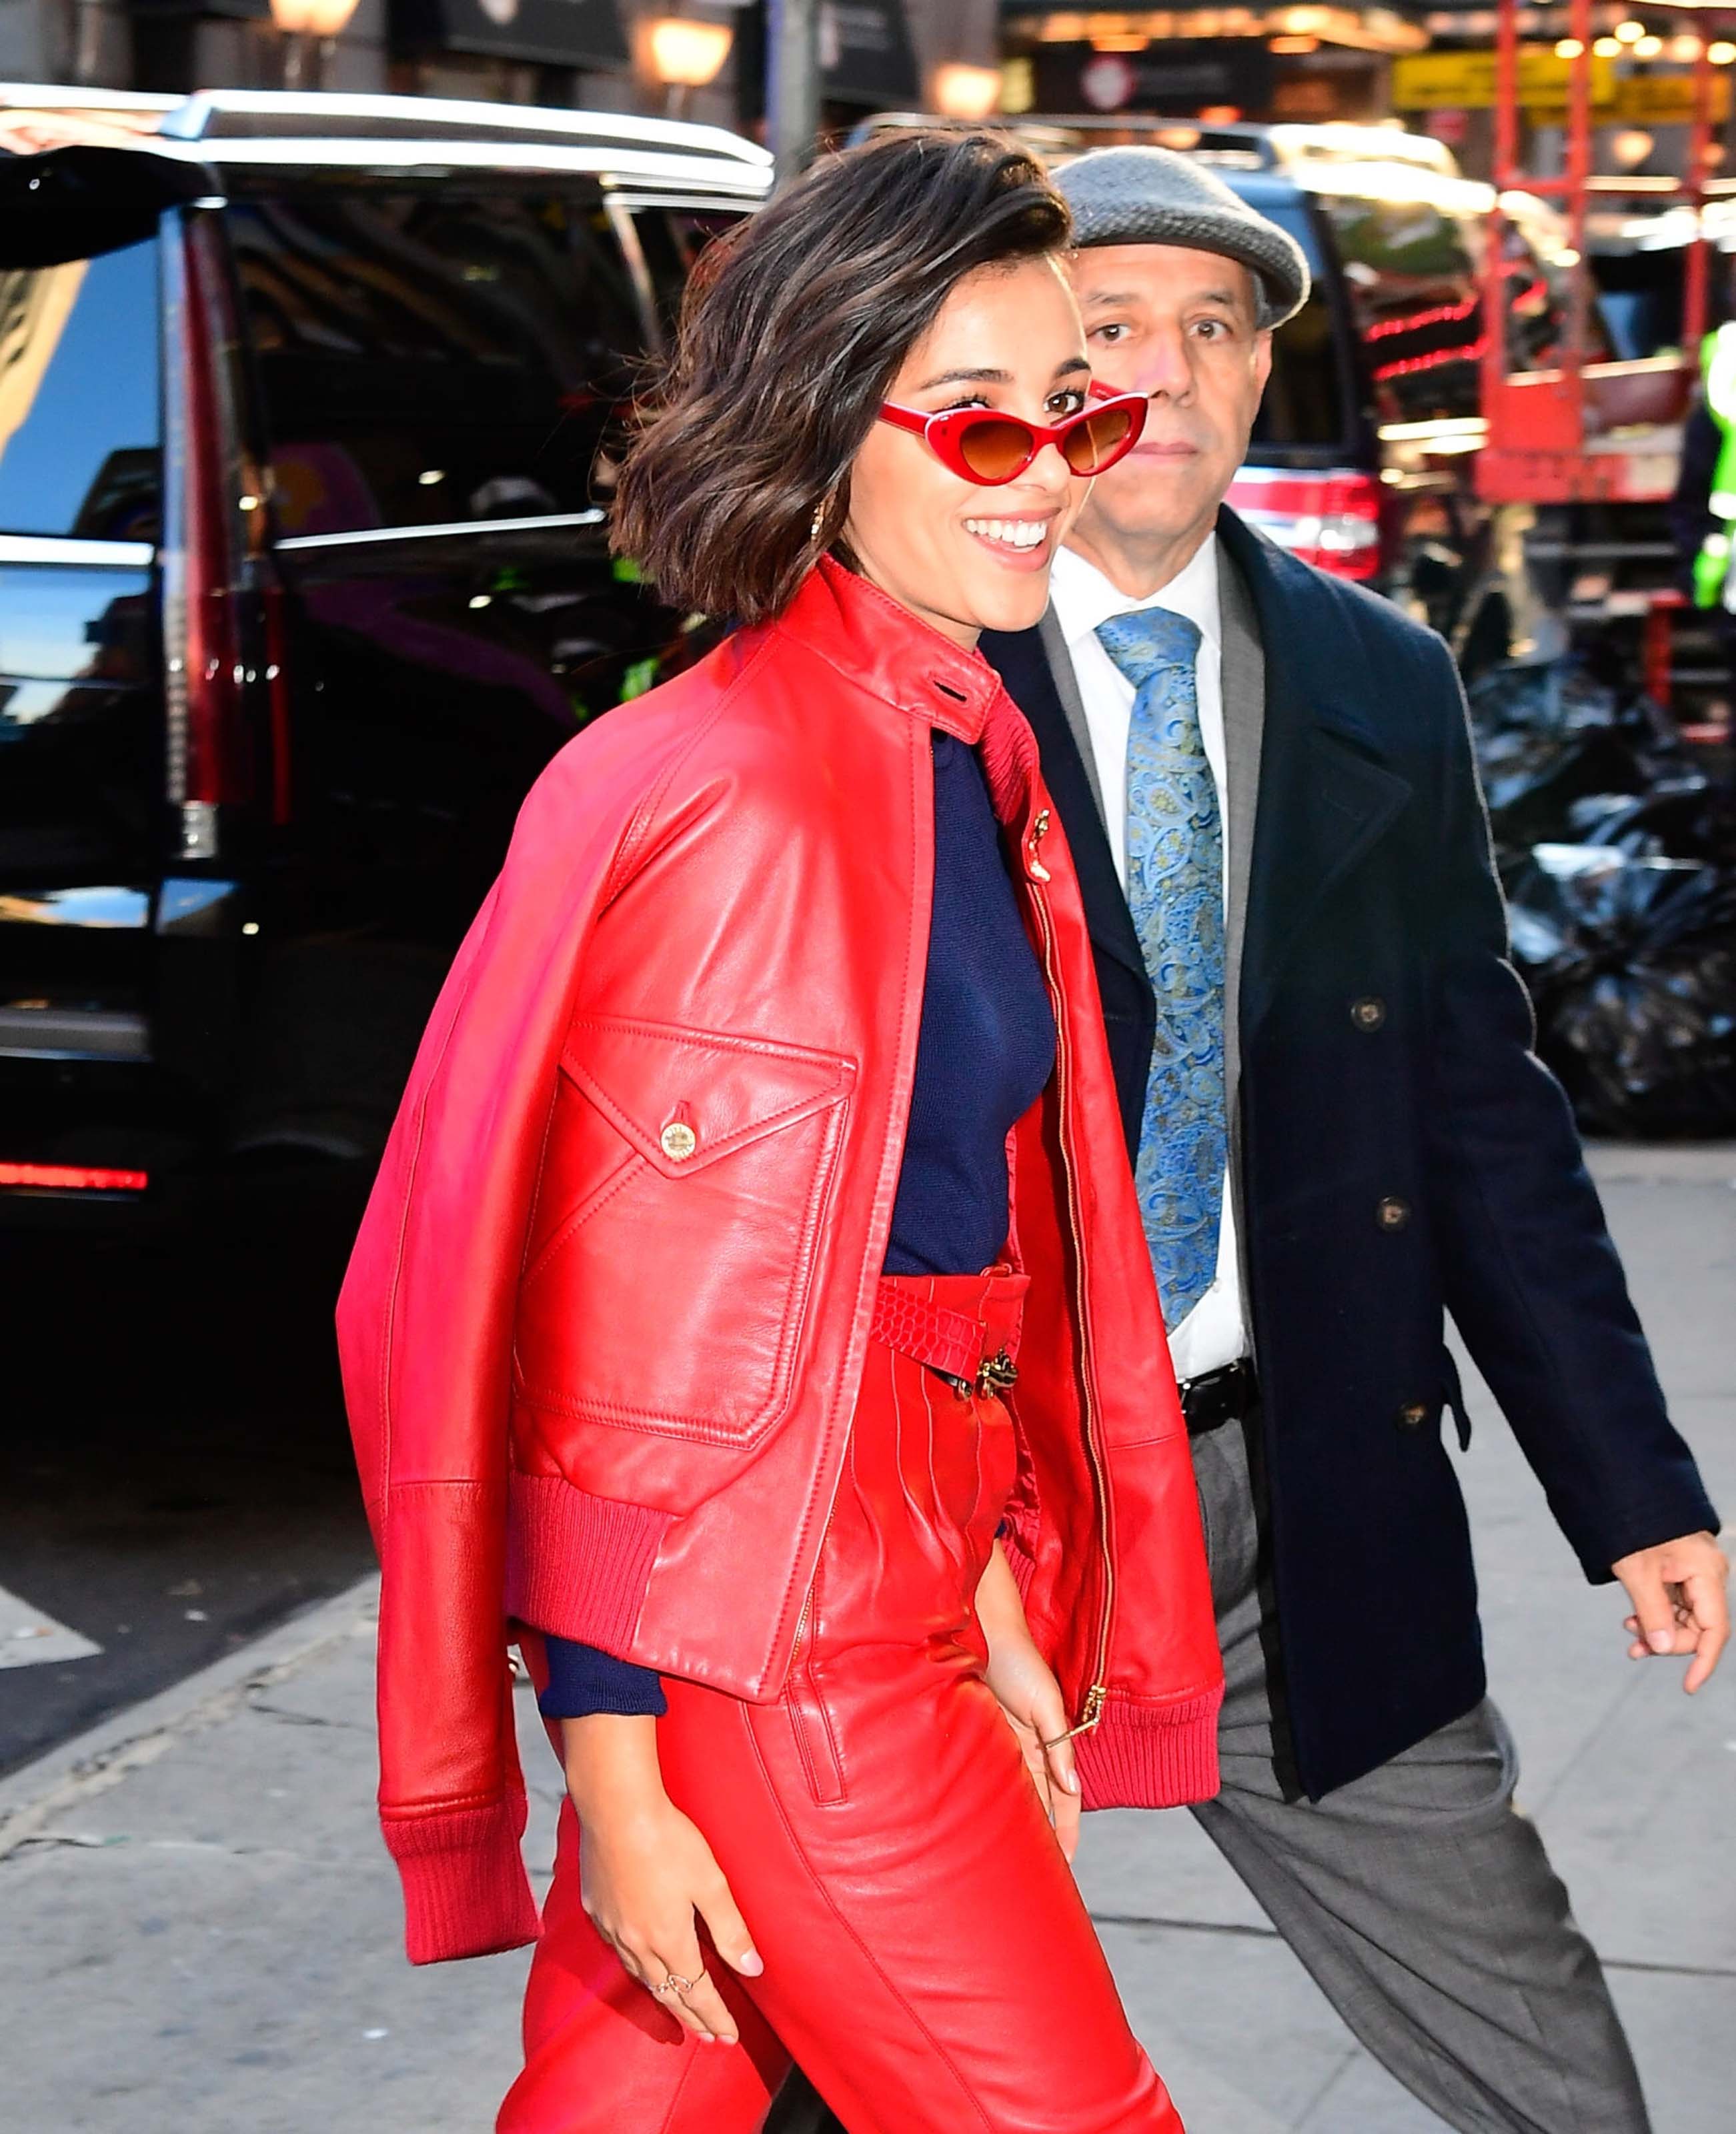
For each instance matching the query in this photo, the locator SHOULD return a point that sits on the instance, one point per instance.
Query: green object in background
(1711, 567)
(1718, 369)
(628, 572)
(641, 676)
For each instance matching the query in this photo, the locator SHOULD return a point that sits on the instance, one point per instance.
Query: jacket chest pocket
(676, 1230)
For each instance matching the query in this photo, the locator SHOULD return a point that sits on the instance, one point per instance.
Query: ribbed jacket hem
(1137, 1757)
(465, 1892)
(578, 1566)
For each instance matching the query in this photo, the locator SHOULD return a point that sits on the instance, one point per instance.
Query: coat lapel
(1324, 796)
(1019, 659)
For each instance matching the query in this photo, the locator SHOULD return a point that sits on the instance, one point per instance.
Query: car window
(1305, 402)
(429, 357)
(1412, 285)
(672, 239)
(80, 401)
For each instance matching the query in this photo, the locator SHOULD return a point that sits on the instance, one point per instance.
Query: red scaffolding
(1587, 431)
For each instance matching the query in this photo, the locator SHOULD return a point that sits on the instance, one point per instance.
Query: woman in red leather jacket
(752, 1317)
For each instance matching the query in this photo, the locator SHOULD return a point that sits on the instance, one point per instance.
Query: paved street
(175, 1473)
(203, 1870)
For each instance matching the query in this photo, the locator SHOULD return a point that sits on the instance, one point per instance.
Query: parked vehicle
(305, 440)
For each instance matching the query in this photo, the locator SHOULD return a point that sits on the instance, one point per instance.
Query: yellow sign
(1465, 81)
(1666, 99)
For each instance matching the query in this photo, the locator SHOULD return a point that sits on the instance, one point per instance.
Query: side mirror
(74, 202)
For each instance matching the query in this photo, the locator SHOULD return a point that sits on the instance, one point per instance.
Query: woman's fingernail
(750, 1966)
(1660, 1641)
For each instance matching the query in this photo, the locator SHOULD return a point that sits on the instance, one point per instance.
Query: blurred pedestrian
(1339, 1131)
(1703, 507)
(685, 1326)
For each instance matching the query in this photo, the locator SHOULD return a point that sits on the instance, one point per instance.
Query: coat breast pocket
(676, 1229)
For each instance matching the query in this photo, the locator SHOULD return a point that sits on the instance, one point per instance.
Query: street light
(965, 91)
(686, 55)
(304, 22)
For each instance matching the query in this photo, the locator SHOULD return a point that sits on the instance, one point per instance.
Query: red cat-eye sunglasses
(987, 446)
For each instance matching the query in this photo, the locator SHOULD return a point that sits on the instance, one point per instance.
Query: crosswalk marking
(30, 1638)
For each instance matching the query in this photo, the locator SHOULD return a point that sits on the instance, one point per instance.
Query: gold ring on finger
(674, 1982)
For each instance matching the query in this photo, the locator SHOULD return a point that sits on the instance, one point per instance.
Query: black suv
(305, 417)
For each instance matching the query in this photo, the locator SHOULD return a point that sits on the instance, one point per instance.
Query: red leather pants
(929, 1960)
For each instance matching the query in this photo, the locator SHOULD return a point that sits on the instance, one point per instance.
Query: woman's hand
(1029, 1697)
(646, 1876)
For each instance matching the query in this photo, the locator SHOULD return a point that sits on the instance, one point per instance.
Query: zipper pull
(1089, 1717)
(1039, 831)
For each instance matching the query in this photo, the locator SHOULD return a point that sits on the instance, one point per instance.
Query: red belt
(952, 1344)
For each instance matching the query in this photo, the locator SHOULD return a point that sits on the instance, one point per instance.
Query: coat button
(1393, 1214)
(1413, 1415)
(678, 1141)
(1369, 1012)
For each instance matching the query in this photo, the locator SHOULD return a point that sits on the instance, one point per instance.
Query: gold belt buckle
(996, 1374)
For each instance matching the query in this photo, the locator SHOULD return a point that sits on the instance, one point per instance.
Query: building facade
(599, 54)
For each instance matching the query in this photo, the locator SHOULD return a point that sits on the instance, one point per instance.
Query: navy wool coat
(1404, 1155)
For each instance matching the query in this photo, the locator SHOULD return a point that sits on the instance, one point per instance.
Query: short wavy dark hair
(793, 327)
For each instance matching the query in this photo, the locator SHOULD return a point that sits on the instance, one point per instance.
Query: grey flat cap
(1155, 196)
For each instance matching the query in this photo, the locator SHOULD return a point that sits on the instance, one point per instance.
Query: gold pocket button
(678, 1141)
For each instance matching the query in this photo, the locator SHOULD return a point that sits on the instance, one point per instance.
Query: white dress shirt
(1215, 1332)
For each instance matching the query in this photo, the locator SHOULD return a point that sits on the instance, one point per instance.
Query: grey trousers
(1418, 1897)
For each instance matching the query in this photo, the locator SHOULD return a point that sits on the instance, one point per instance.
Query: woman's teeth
(1016, 533)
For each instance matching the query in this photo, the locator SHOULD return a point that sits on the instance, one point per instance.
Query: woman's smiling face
(963, 556)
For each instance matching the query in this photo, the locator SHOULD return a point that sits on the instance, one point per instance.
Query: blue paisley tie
(1175, 890)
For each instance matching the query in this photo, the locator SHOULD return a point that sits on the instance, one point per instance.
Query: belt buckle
(996, 1374)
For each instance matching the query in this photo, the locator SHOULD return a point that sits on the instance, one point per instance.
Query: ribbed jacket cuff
(1138, 1757)
(578, 1565)
(465, 1892)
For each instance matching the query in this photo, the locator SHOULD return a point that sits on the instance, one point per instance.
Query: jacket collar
(1323, 684)
(882, 648)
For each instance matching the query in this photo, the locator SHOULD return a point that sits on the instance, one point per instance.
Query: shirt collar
(1082, 597)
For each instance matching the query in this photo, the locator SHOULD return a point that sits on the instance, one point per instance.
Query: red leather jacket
(606, 1315)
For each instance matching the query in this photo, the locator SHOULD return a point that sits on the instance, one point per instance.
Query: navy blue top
(985, 1048)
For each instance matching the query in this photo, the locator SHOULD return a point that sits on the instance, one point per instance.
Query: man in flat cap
(1340, 1133)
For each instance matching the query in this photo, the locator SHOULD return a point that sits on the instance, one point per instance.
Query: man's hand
(1680, 1604)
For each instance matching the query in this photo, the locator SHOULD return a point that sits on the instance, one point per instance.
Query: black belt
(1228, 1395)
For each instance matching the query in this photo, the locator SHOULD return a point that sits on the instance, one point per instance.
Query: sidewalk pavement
(200, 1931)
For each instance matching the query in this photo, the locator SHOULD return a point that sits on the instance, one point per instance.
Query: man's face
(1177, 326)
